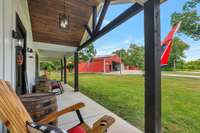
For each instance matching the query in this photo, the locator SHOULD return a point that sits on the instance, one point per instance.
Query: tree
(70, 63)
(57, 65)
(177, 54)
(190, 19)
(84, 55)
(87, 53)
(47, 67)
(193, 65)
(135, 56)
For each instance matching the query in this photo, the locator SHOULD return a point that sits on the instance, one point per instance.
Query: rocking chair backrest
(12, 112)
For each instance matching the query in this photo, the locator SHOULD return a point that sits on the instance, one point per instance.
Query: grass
(124, 95)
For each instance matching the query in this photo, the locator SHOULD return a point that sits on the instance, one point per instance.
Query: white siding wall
(8, 10)
(1, 48)
(8, 20)
(1, 40)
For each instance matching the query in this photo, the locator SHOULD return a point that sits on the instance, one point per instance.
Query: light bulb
(64, 22)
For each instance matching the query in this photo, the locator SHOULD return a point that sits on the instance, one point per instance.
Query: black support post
(65, 70)
(152, 67)
(131, 11)
(102, 15)
(123, 17)
(94, 19)
(87, 28)
(76, 80)
(61, 70)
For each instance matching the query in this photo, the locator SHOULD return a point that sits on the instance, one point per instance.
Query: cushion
(54, 84)
(41, 128)
(77, 129)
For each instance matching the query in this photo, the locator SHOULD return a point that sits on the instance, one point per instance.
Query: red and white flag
(166, 45)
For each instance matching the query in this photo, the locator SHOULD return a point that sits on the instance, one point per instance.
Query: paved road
(164, 74)
(182, 75)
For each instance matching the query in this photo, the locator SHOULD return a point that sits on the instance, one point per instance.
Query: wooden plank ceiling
(44, 16)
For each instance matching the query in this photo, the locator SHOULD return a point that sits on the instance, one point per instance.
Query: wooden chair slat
(12, 111)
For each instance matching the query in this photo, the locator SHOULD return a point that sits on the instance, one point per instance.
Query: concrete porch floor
(92, 112)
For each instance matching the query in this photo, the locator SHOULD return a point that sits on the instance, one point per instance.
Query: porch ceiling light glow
(19, 39)
(20, 43)
(64, 20)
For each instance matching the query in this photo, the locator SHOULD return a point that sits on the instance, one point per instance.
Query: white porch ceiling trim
(53, 47)
(52, 51)
(127, 1)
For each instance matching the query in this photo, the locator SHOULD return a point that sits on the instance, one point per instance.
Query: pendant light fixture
(64, 19)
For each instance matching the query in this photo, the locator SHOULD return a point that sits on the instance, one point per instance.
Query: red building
(107, 63)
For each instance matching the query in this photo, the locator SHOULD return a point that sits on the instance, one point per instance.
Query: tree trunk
(175, 64)
(56, 68)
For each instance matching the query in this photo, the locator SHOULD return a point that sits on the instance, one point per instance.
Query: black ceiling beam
(102, 15)
(130, 12)
(133, 10)
(94, 18)
(88, 30)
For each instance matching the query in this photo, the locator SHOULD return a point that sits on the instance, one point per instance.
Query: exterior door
(20, 58)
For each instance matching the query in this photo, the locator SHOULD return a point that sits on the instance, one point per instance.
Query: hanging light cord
(64, 6)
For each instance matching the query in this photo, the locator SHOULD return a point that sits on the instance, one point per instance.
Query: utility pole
(120, 62)
(104, 65)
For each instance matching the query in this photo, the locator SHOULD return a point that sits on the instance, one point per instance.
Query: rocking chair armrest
(51, 117)
(101, 125)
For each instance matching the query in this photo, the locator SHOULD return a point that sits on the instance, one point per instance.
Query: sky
(132, 31)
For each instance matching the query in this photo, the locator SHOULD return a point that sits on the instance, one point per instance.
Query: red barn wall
(115, 58)
(96, 66)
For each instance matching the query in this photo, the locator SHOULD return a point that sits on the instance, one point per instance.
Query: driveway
(138, 72)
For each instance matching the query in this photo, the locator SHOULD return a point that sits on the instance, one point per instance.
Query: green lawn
(124, 95)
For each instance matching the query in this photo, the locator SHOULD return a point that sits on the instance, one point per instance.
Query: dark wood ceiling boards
(44, 16)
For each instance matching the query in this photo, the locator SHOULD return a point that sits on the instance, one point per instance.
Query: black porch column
(152, 67)
(65, 70)
(61, 70)
(76, 62)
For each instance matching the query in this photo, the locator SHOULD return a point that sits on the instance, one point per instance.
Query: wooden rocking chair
(14, 115)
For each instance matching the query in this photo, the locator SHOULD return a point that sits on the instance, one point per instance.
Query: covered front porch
(91, 113)
(55, 30)
(94, 30)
